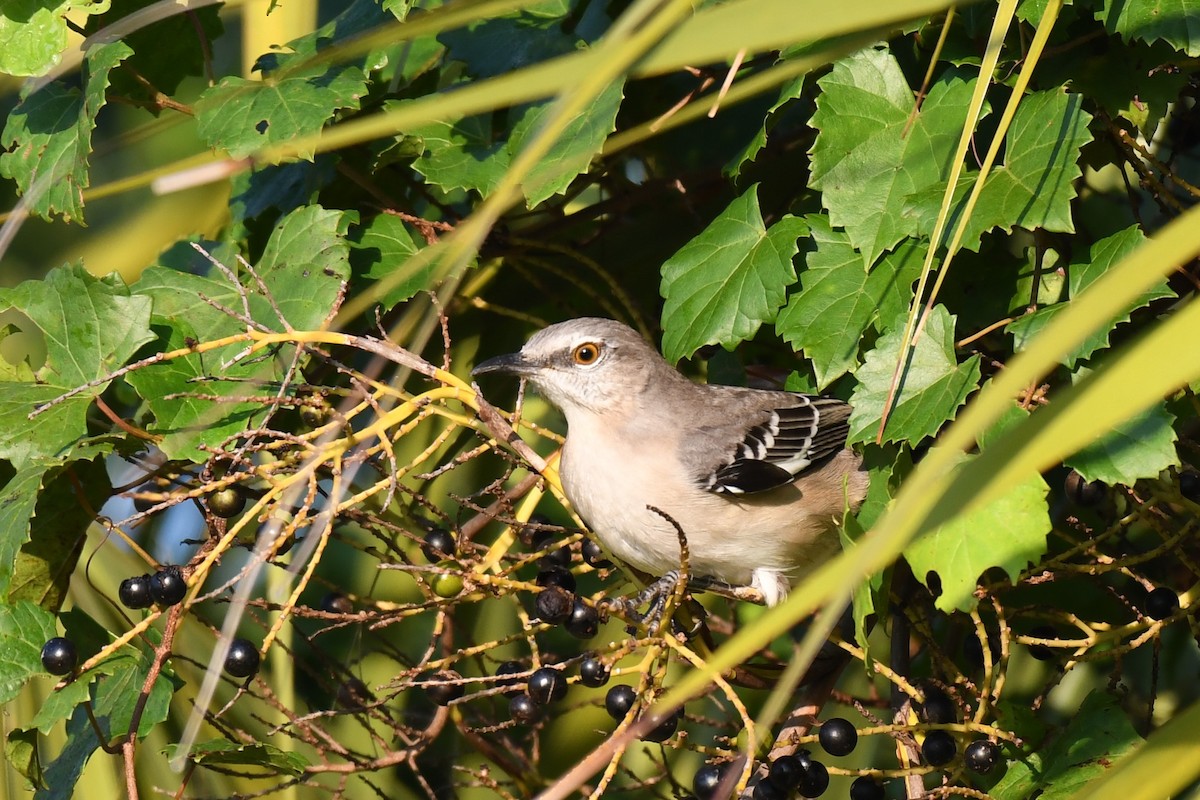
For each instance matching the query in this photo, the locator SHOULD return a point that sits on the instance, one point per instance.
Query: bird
(755, 479)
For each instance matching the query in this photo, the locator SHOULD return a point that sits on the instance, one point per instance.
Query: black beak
(511, 364)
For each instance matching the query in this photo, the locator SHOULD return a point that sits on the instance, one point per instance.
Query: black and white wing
(778, 449)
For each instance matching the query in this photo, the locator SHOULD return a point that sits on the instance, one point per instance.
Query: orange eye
(586, 354)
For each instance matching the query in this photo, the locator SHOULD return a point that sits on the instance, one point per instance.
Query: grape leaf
(1172, 21)
(21, 751)
(24, 628)
(869, 156)
(284, 187)
(305, 263)
(33, 33)
(1141, 447)
(959, 554)
(118, 695)
(461, 154)
(48, 137)
(730, 279)
(91, 327)
(838, 299)
(1087, 268)
(1096, 737)
(790, 91)
(504, 44)
(226, 753)
(62, 774)
(383, 247)
(933, 387)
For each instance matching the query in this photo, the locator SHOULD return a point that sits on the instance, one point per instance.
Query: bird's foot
(655, 596)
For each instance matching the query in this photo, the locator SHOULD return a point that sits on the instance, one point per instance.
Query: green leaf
(790, 91)
(382, 247)
(306, 261)
(505, 44)
(33, 33)
(727, 281)
(21, 751)
(49, 541)
(284, 187)
(1172, 21)
(933, 387)
(869, 156)
(119, 693)
(1035, 186)
(63, 772)
(461, 154)
(1138, 448)
(24, 628)
(1098, 735)
(838, 299)
(1082, 273)
(48, 137)
(959, 555)
(91, 327)
(226, 753)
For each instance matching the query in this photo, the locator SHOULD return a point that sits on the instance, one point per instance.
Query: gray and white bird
(755, 478)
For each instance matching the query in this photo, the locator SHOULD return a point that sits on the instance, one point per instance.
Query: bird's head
(588, 364)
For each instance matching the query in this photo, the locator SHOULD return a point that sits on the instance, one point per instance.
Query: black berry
(584, 622)
(336, 603)
(1189, 485)
(981, 755)
(135, 592)
(866, 788)
(558, 557)
(522, 709)
(619, 700)
(815, 780)
(353, 695)
(939, 748)
(556, 576)
(446, 689)
(786, 772)
(938, 709)
(167, 586)
(1040, 651)
(1161, 603)
(439, 544)
(663, 730)
(228, 502)
(504, 671)
(59, 656)
(766, 789)
(593, 672)
(243, 658)
(547, 686)
(554, 604)
(838, 737)
(144, 504)
(707, 780)
(593, 555)
(1082, 492)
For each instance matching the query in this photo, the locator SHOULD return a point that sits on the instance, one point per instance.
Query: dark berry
(1082, 492)
(228, 502)
(815, 780)
(533, 529)
(707, 780)
(981, 755)
(446, 688)
(766, 789)
(59, 656)
(939, 748)
(938, 709)
(1040, 651)
(556, 576)
(838, 737)
(663, 730)
(547, 685)
(593, 555)
(522, 709)
(243, 658)
(593, 672)
(973, 650)
(353, 695)
(803, 758)
(144, 504)
(619, 700)
(554, 604)
(167, 586)
(439, 544)
(584, 622)
(1161, 603)
(135, 592)
(558, 557)
(1189, 485)
(336, 603)
(504, 671)
(866, 788)
(786, 772)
